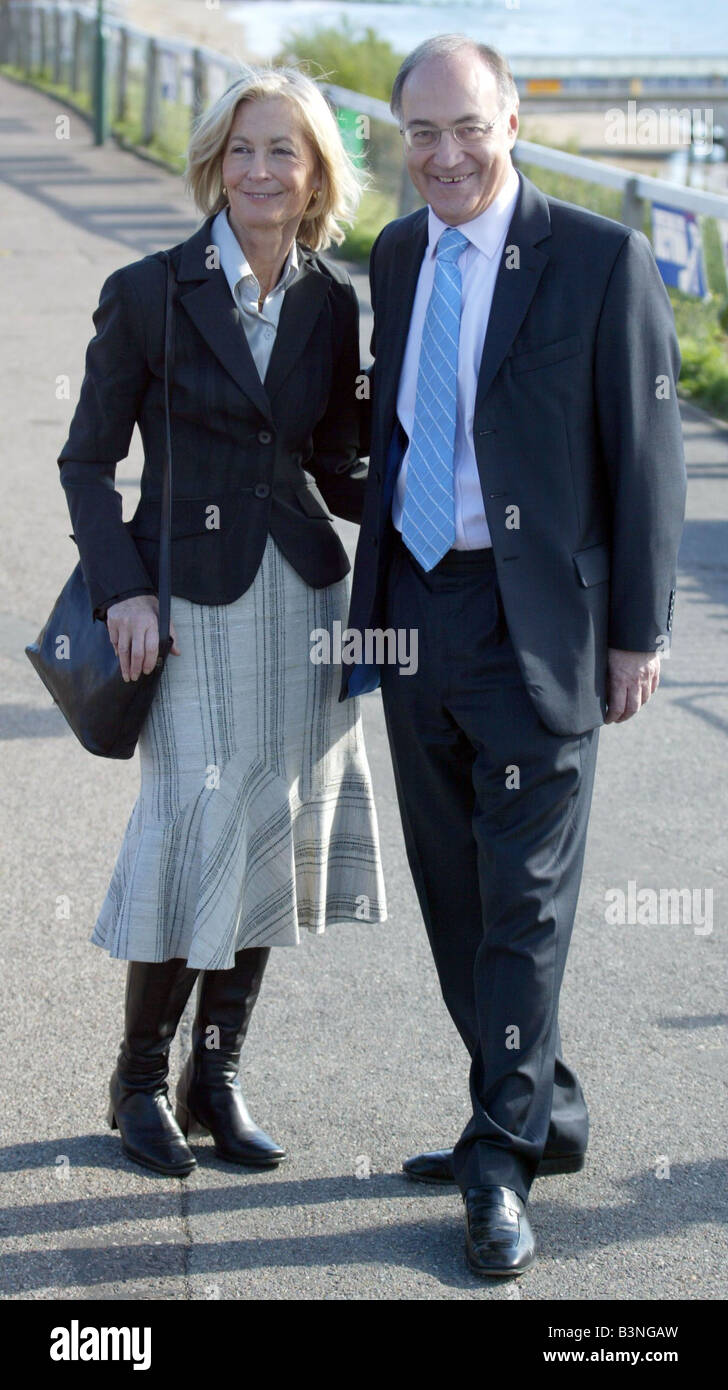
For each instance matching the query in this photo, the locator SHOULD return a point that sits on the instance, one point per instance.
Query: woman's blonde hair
(342, 182)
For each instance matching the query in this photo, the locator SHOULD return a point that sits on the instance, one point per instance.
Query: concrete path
(351, 1059)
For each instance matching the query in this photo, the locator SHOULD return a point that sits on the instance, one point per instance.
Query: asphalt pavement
(351, 1059)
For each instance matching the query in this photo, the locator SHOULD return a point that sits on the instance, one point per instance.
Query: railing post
(26, 36)
(13, 38)
(35, 40)
(4, 32)
(17, 23)
(57, 46)
(199, 84)
(632, 206)
(122, 74)
(43, 55)
(36, 30)
(98, 81)
(26, 40)
(76, 51)
(151, 88)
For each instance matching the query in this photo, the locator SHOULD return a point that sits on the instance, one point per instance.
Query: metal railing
(636, 189)
(156, 88)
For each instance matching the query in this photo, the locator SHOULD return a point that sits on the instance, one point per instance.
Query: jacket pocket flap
(547, 355)
(592, 564)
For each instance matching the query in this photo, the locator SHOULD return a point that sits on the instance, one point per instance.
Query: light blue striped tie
(428, 516)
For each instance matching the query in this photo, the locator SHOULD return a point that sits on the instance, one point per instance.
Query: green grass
(375, 210)
(79, 100)
(714, 263)
(347, 56)
(701, 329)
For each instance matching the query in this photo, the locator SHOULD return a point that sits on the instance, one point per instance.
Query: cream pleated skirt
(255, 818)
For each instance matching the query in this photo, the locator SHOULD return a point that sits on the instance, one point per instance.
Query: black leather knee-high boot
(209, 1098)
(156, 994)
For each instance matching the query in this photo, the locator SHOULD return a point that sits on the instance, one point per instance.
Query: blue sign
(678, 248)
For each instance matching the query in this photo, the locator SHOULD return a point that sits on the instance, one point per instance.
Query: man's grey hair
(442, 46)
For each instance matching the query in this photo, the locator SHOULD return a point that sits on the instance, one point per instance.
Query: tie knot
(451, 243)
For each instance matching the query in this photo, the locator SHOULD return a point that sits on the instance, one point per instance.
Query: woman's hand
(133, 626)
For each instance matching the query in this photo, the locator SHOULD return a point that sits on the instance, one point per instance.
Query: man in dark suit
(523, 512)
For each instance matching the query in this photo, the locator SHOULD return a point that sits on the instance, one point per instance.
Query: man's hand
(134, 634)
(632, 678)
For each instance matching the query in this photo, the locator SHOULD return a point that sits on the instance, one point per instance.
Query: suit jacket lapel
(215, 314)
(514, 290)
(516, 283)
(406, 261)
(302, 304)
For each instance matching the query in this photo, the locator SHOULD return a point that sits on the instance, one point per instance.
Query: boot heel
(187, 1122)
(111, 1118)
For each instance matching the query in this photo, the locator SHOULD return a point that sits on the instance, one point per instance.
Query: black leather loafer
(499, 1241)
(436, 1166)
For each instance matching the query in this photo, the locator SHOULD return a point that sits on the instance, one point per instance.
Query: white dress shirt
(479, 263)
(261, 325)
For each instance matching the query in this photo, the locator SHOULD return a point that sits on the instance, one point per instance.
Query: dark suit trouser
(494, 809)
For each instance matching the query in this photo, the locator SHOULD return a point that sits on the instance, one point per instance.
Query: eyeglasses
(466, 133)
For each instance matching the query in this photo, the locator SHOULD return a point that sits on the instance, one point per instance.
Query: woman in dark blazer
(255, 816)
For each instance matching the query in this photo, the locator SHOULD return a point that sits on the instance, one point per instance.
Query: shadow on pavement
(432, 1245)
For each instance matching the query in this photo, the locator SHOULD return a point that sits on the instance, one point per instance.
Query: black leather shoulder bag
(73, 655)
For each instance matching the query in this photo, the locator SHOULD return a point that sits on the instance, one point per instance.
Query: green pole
(99, 77)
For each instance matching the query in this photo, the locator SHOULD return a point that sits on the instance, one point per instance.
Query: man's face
(457, 182)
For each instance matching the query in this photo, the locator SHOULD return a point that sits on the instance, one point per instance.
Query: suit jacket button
(261, 489)
(264, 436)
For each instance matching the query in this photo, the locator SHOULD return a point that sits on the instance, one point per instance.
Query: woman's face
(269, 167)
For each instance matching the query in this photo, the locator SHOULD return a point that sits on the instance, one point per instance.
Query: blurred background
(624, 107)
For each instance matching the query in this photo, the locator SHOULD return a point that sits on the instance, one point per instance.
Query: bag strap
(165, 522)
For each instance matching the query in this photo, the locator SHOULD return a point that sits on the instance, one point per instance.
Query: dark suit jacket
(238, 445)
(576, 425)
